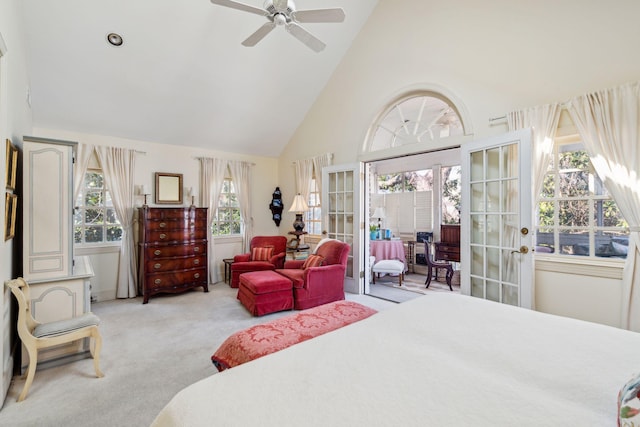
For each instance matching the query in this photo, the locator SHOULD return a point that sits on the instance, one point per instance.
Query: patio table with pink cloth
(387, 249)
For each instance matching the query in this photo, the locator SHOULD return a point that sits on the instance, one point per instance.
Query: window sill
(96, 250)
(227, 239)
(595, 267)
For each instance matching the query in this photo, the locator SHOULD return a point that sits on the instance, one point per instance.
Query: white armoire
(60, 283)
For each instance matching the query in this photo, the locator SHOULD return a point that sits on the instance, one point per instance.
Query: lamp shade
(378, 213)
(299, 204)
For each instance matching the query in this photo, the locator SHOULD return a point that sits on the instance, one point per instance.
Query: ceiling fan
(283, 12)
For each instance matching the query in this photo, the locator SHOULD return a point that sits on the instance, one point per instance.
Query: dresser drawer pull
(196, 249)
(163, 236)
(196, 262)
(157, 252)
(157, 281)
(196, 276)
(158, 265)
(163, 225)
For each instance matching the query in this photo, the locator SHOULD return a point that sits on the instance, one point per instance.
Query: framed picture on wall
(12, 165)
(10, 208)
(168, 188)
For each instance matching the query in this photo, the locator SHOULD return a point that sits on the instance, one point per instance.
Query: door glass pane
(348, 180)
(493, 196)
(477, 266)
(493, 291)
(340, 202)
(510, 195)
(477, 287)
(509, 294)
(510, 161)
(348, 225)
(477, 228)
(493, 230)
(510, 230)
(477, 197)
(348, 201)
(477, 166)
(493, 163)
(510, 266)
(493, 263)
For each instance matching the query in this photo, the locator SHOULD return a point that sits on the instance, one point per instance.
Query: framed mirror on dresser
(168, 188)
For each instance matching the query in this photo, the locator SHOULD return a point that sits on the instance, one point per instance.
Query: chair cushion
(295, 275)
(262, 253)
(389, 266)
(264, 282)
(312, 261)
(63, 326)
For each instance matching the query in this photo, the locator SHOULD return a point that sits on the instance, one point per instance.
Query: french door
(342, 218)
(496, 221)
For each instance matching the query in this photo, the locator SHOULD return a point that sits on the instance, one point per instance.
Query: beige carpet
(150, 352)
(387, 287)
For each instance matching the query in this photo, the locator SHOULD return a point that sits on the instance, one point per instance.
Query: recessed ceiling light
(115, 39)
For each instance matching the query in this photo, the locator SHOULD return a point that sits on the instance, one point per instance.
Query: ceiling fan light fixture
(115, 39)
(279, 19)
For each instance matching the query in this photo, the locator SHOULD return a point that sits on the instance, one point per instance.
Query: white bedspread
(438, 360)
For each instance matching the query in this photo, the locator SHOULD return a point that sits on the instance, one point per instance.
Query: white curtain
(319, 163)
(118, 166)
(212, 172)
(609, 123)
(241, 175)
(304, 173)
(544, 121)
(83, 156)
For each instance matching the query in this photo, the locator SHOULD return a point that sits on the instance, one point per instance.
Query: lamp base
(298, 224)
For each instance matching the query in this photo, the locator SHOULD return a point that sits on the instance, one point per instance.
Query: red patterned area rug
(266, 338)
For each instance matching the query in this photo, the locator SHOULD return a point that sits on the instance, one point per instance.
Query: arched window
(414, 118)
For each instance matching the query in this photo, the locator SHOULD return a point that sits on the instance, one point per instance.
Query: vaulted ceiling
(181, 76)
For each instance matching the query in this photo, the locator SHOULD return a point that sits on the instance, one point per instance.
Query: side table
(227, 269)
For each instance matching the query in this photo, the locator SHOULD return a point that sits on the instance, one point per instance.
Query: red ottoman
(264, 292)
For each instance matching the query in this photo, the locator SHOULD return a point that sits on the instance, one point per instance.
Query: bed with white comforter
(438, 360)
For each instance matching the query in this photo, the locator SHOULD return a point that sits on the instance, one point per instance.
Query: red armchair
(252, 261)
(315, 286)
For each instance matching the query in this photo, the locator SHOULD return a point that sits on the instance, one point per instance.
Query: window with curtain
(94, 220)
(227, 217)
(576, 215)
(313, 217)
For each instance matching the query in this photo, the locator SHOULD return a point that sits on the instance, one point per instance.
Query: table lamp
(378, 213)
(299, 206)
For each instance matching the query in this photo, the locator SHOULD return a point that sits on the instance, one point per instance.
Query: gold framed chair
(36, 335)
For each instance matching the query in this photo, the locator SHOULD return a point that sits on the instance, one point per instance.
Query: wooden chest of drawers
(173, 250)
(448, 249)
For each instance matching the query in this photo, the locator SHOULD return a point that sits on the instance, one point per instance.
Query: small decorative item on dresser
(173, 250)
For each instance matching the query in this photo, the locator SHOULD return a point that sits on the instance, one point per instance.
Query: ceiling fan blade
(319, 15)
(305, 37)
(241, 6)
(254, 38)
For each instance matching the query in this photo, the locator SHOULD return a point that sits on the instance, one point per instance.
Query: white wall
(15, 120)
(496, 56)
(175, 159)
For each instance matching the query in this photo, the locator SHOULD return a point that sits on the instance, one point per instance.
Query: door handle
(523, 250)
